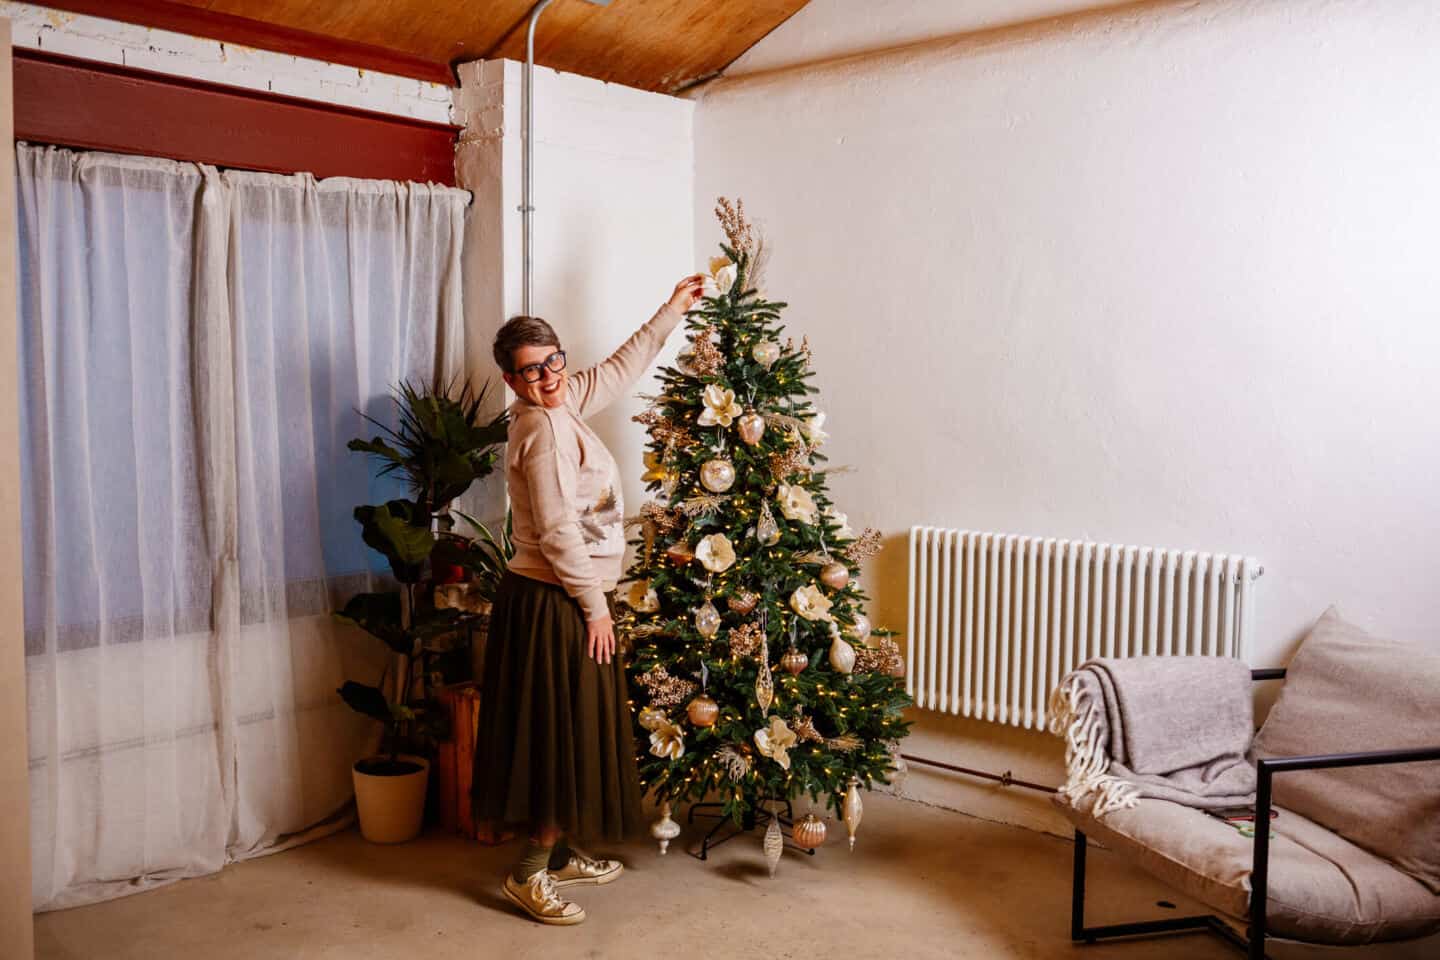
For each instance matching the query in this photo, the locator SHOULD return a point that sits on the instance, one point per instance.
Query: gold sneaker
(583, 869)
(538, 897)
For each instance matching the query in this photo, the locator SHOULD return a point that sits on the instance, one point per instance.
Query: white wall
(1163, 275)
(614, 222)
(199, 58)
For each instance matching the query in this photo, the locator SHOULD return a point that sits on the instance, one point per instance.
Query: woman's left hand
(687, 291)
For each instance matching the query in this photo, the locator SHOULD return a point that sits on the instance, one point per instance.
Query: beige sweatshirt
(564, 485)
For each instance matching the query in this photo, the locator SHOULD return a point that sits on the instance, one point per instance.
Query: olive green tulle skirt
(554, 744)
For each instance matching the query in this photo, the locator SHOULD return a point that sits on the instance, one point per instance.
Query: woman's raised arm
(594, 389)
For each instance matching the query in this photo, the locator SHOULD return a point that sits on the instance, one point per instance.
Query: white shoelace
(545, 892)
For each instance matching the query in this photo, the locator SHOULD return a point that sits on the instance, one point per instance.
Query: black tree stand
(751, 820)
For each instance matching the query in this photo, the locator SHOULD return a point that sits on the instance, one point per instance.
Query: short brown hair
(521, 332)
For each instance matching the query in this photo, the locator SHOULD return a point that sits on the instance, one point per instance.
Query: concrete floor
(922, 882)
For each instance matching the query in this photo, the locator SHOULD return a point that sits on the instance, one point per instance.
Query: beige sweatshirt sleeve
(549, 472)
(594, 389)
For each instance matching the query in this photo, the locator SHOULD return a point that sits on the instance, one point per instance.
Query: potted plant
(440, 446)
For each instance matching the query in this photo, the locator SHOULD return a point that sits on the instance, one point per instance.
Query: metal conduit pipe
(527, 169)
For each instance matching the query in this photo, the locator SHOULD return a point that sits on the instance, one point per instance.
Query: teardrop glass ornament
(707, 620)
(767, 531)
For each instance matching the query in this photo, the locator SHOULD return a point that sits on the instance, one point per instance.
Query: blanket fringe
(1075, 716)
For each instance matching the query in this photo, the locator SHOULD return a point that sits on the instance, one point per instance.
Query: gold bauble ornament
(703, 711)
(679, 553)
(743, 602)
(860, 629)
(717, 475)
(852, 810)
(766, 352)
(707, 620)
(751, 427)
(809, 833)
(794, 662)
(835, 575)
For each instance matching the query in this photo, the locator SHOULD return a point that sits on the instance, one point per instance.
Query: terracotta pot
(391, 804)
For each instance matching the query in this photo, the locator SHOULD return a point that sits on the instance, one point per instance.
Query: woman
(554, 747)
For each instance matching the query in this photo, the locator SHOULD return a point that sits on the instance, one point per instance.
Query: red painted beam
(101, 106)
(230, 28)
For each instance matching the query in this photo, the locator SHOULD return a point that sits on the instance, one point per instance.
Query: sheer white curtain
(194, 346)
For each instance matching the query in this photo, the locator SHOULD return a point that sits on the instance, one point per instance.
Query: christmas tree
(756, 675)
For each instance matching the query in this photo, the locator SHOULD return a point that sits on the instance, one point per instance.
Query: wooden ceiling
(662, 45)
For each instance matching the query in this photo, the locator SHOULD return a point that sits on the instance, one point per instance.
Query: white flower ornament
(813, 431)
(715, 553)
(810, 603)
(720, 407)
(775, 741)
(642, 597)
(796, 503)
(667, 740)
(720, 278)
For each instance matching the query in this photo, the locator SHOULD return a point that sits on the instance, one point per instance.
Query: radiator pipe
(1004, 779)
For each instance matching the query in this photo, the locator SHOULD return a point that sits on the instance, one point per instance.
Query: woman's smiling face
(549, 389)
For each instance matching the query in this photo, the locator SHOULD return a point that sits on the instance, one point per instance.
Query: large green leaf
(366, 699)
(378, 614)
(401, 532)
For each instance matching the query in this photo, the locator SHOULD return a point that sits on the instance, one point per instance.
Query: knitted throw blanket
(1173, 728)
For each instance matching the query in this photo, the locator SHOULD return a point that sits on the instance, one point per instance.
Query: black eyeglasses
(534, 372)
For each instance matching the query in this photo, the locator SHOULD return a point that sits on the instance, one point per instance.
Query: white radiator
(997, 619)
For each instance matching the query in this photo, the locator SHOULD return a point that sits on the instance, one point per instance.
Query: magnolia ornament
(642, 598)
(813, 432)
(751, 427)
(767, 531)
(766, 352)
(679, 553)
(809, 833)
(715, 553)
(810, 603)
(794, 662)
(707, 620)
(651, 717)
(852, 810)
(743, 602)
(835, 575)
(655, 468)
(796, 503)
(721, 277)
(860, 629)
(703, 711)
(774, 844)
(664, 829)
(667, 740)
(775, 741)
(842, 655)
(720, 407)
(717, 475)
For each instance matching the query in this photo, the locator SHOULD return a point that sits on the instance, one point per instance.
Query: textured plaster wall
(1161, 274)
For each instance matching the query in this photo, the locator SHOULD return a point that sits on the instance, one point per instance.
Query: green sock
(532, 861)
(560, 854)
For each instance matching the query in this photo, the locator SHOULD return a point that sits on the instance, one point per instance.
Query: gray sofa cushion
(1322, 888)
(1346, 691)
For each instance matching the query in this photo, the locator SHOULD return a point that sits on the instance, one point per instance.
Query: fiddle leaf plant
(440, 446)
